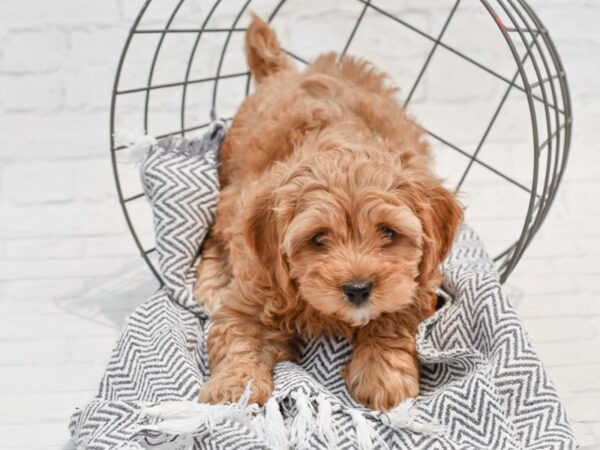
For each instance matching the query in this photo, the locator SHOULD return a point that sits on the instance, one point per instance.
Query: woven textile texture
(481, 379)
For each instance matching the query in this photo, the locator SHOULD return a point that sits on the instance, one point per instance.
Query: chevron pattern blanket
(482, 386)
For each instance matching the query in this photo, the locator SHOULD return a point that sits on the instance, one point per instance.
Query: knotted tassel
(327, 429)
(189, 418)
(137, 145)
(304, 425)
(275, 430)
(366, 436)
(258, 423)
(403, 417)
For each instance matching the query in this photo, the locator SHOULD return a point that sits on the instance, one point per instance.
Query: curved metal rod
(566, 97)
(530, 222)
(450, 48)
(564, 89)
(431, 53)
(556, 89)
(532, 113)
(190, 62)
(547, 194)
(223, 51)
(541, 83)
(154, 59)
(112, 141)
(491, 124)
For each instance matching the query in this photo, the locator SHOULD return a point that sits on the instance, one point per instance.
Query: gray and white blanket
(482, 384)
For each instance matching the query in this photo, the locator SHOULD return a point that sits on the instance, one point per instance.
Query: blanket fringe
(137, 144)
(304, 425)
(402, 417)
(275, 430)
(327, 429)
(366, 436)
(188, 418)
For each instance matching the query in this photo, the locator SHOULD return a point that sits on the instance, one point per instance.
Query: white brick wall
(69, 272)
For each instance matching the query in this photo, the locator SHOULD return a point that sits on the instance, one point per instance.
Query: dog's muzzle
(357, 292)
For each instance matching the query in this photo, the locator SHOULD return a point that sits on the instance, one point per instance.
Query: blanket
(482, 383)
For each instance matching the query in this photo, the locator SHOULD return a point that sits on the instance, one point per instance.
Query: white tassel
(258, 425)
(304, 425)
(327, 429)
(188, 418)
(427, 428)
(275, 430)
(137, 145)
(402, 417)
(366, 436)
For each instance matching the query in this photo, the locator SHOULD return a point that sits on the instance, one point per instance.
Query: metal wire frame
(516, 22)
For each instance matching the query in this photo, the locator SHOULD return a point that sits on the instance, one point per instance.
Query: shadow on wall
(70, 445)
(107, 301)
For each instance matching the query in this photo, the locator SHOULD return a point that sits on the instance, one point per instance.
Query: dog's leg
(212, 275)
(263, 51)
(242, 350)
(384, 370)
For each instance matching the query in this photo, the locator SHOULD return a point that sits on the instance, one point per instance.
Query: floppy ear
(263, 233)
(440, 215)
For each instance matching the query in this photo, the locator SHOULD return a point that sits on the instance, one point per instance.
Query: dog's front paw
(383, 381)
(228, 385)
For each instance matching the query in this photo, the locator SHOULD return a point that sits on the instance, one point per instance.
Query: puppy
(330, 220)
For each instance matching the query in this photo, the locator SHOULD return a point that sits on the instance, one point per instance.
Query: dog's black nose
(357, 292)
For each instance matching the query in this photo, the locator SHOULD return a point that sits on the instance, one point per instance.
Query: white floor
(69, 273)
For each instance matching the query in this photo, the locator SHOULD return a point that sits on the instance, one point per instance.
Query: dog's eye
(318, 240)
(387, 232)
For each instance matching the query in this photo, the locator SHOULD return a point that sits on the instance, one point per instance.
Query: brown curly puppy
(330, 221)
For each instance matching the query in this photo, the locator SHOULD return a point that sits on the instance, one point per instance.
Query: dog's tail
(263, 52)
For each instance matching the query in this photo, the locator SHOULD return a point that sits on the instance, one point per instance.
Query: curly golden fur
(330, 220)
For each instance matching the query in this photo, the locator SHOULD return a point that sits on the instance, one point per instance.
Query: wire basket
(483, 78)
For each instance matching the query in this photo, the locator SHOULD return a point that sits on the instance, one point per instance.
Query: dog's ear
(263, 52)
(440, 215)
(263, 231)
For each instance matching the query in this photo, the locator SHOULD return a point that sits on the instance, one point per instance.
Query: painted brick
(49, 434)
(57, 62)
(87, 87)
(25, 93)
(39, 182)
(558, 329)
(46, 326)
(584, 432)
(44, 248)
(57, 352)
(582, 304)
(62, 219)
(65, 12)
(48, 49)
(584, 407)
(110, 246)
(94, 180)
(23, 269)
(68, 134)
(96, 46)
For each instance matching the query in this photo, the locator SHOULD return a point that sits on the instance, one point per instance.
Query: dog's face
(354, 251)
(349, 234)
